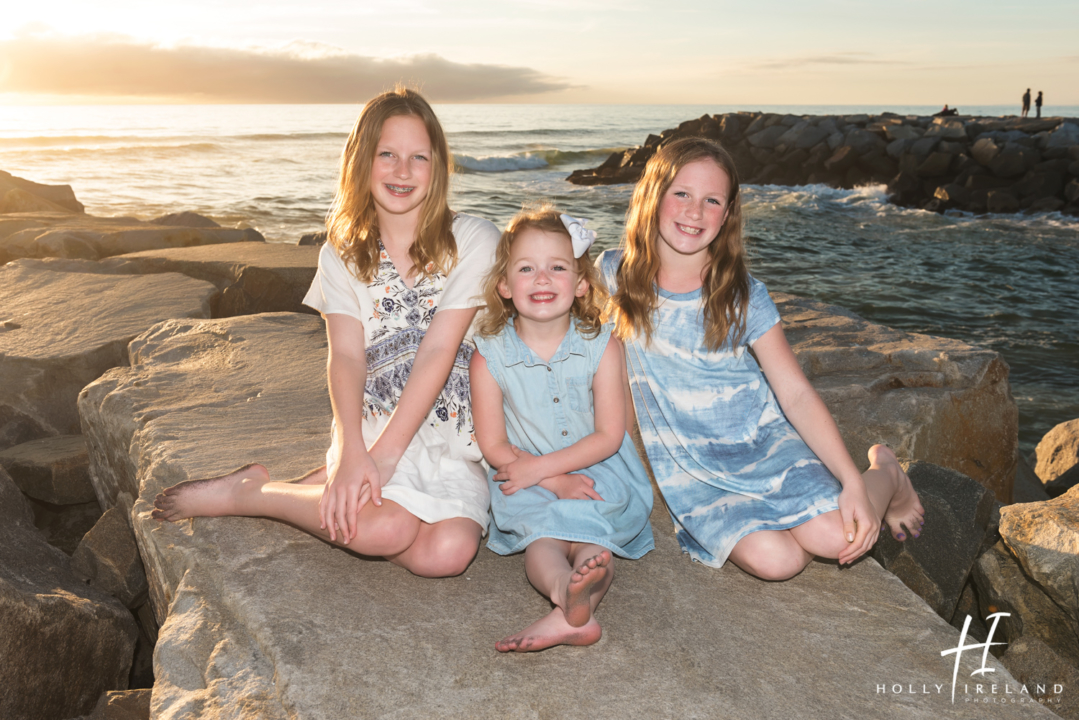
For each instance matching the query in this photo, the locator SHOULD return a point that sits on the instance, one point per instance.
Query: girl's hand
(860, 524)
(524, 472)
(345, 493)
(571, 486)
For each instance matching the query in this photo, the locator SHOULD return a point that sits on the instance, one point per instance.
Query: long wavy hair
(352, 223)
(587, 309)
(725, 287)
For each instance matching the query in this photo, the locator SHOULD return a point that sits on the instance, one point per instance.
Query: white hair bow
(582, 238)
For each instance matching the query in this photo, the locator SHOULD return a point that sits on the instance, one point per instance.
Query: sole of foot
(206, 497)
(550, 631)
(905, 513)
(578, 593)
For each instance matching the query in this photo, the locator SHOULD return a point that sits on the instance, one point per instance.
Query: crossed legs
(782, 554)
(575, 576)
(440, 549)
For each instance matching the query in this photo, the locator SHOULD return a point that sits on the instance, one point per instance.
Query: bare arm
(347, 374)
(811, 418)
(430, 369)
(488, 415)
(610, 422)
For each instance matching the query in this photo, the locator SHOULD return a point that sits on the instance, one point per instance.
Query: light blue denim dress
(726, 459)
(548, 406)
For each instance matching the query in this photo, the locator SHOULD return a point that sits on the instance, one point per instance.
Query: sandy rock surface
(932, 399)
(60, 330)
(108, 559)
(1057, 455)
(62, 643)
(262, 620)
(253, 277)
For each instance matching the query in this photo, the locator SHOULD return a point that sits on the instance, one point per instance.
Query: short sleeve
(761, 314)
(477, 240)
(332, 289)
(607, 263)
(488, 348)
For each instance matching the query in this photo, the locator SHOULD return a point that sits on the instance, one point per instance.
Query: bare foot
(578, 611)
(904, 510)
(208, 497)
(550, 631)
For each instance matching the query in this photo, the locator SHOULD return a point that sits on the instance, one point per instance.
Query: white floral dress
(440, 475)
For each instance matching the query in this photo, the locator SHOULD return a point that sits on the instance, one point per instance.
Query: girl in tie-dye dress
(750, 463)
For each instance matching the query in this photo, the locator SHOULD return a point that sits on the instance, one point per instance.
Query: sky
(829, 52)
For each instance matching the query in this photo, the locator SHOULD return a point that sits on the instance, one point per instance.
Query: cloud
(847, 58)
(114, 67)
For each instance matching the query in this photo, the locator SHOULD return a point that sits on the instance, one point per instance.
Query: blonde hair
(725, 287)
(544, 217)
(352, 223)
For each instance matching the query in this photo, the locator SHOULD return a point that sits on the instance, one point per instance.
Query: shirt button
(549, 369)
(556, 399)
(564, 433)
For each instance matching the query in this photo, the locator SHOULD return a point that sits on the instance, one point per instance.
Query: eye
(420, 157)
(385, 153)
(525, 268)
(558, 268)
(715, 201)
(680, 193)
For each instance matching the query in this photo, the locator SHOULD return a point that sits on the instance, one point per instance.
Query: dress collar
(517, 352)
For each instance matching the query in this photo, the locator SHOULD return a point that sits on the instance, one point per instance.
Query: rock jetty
(976, 164)
(187, 357)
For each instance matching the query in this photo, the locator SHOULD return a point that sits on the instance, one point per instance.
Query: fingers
(376, 491)
(351, 510)
(325, 510)
(592, 494)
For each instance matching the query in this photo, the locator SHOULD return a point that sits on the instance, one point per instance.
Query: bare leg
(443, 549)
(429, 550)
(575, 592)
(782, 554)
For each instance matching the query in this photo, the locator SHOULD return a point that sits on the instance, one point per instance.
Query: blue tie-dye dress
(725, 457)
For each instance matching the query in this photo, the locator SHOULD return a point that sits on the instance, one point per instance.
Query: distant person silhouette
(1026, 103)
(1038, 104)
(946, 112)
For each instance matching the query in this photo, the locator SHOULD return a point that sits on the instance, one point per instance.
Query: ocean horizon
(1005, 282)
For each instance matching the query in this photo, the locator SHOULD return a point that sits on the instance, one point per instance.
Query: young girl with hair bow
(549, 403)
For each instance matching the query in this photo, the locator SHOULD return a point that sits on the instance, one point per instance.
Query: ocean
(1005, 282)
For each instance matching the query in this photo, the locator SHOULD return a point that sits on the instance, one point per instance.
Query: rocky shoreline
(974, 164)
(179, 350)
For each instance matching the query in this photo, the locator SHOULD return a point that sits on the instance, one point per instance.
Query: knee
(448, 555)
(388, 533)
(776, 561)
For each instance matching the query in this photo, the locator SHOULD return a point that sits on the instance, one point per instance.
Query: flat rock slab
(55, 469)
(56, 234)
(61, 330)
(930, 399)
(254, 277)
(265, 621)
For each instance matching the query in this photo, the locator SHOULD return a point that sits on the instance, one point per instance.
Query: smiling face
(692, 211)
(541, 278)
(401, 169)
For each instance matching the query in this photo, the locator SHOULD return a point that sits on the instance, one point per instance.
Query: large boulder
(1003, 587)
(262, 620)
(253, 277)
(931, 399)
(63, 328)
(59, 196)
(63, 643)
(1057, 455)
(1044, 537)
(961, 519)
